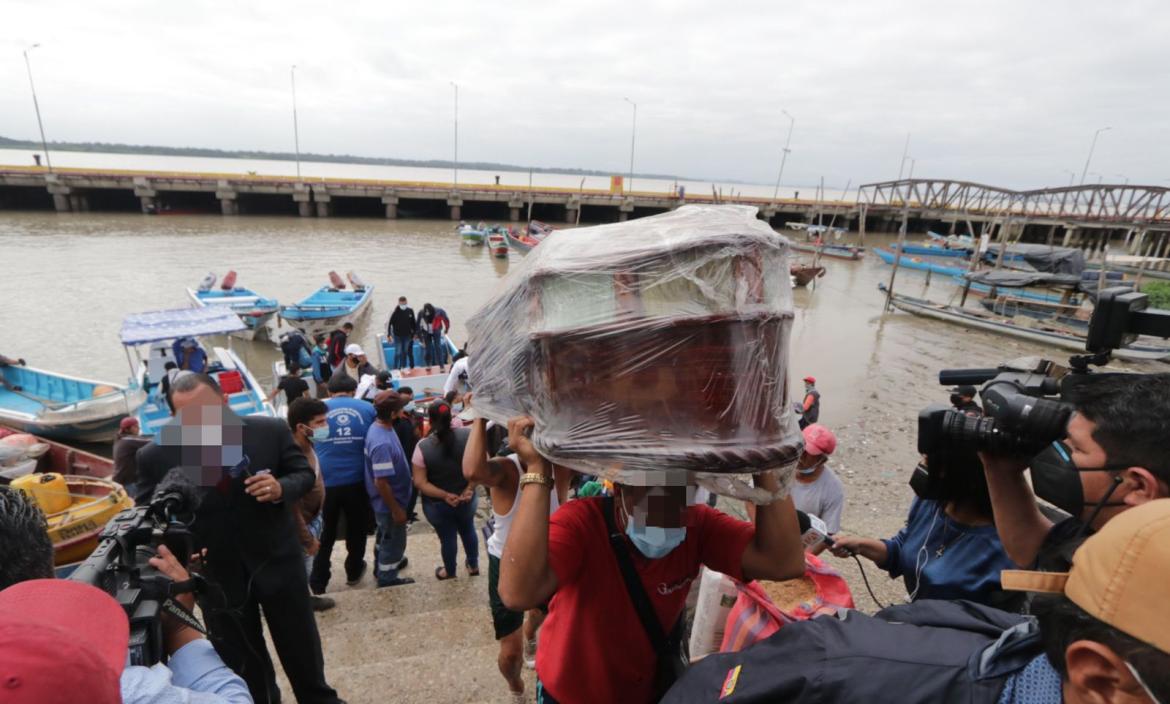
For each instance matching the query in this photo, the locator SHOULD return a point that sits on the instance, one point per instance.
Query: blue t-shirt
(968, 568)
(386, 459)
(343, 453)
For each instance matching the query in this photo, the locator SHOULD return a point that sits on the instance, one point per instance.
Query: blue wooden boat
(472, 236)
(63, 407)
(426, 382)
(161, 333)
(254, 310)
(928, 250)
(330, 306)
(957, 273)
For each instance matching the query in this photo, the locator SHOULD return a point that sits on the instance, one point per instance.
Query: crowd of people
(601, 580)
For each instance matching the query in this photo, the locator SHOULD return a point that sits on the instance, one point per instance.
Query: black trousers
(351, 501)
(283, 595)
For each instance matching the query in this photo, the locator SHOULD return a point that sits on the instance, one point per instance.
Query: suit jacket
(242, 535)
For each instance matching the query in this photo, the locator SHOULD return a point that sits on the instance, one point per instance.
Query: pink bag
(754, 617)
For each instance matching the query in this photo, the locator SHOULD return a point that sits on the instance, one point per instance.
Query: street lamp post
(1085, 171)
(456, 138)
(36, 106)
(784, 153)
(633, 136)
(292, 72)
(905, 156)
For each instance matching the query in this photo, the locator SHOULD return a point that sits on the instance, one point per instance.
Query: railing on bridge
(1121, 205)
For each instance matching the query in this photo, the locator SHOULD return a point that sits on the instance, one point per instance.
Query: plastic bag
(717, 595)
(647, 350)
(754, 617)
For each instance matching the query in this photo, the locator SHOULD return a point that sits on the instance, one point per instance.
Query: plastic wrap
(648, 352)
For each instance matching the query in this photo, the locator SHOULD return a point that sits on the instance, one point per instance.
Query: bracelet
(536, 478)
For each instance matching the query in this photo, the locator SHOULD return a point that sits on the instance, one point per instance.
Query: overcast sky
(1007, 93)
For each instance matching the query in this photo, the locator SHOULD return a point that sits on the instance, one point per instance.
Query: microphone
(176, 494)
(813, 530)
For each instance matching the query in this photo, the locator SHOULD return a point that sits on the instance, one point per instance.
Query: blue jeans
(403, 356)
(389, 548)
(315, 526)
(431, 349)
(453, 524)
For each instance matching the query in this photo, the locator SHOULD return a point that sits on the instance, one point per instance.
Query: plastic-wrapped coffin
(647, 349)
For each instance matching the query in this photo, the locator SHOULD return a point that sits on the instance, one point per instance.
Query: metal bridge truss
(1096, 205)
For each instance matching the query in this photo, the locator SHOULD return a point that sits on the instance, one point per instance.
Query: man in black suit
(250, 472)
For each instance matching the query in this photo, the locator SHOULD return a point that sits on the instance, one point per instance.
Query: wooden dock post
(898, 255)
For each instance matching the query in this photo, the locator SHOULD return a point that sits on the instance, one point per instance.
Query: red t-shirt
(593, 647)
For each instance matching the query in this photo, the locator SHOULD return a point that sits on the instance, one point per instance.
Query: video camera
(120, 564)
(1023, 406)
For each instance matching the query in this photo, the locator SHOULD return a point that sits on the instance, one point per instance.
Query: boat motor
(207, 282)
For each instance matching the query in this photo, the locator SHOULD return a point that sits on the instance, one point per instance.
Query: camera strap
(194, 585)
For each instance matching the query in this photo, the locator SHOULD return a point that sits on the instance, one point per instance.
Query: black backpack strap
(634, 586)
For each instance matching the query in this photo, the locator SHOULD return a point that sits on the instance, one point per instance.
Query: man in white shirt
(817, 490)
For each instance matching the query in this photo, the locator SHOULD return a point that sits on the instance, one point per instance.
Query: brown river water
(69, 278)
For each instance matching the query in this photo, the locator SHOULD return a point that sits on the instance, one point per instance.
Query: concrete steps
(429, 642)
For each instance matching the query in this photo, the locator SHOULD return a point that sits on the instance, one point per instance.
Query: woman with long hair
(449, 500)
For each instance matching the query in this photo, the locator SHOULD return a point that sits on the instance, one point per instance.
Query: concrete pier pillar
(625, 209)
(79, 203)
(1068, 233)
(514, 207)
(59, 192)
(571, 209)
(455, 202)
(146, 193)
(227, 198)
(61, 203)
(149, 203)
(390, 200)
(303, 197)
(324, 208)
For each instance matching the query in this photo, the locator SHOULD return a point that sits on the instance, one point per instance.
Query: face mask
(409, 408)
(319, 434)
(401, 306)
(1058, 481)
(1142, 683)
(456, 408)
(805, 471)
(654, 541)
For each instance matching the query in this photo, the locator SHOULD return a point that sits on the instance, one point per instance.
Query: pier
(1089, 216)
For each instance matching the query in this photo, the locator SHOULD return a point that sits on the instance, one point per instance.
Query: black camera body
(1022, 411)
(120, 566)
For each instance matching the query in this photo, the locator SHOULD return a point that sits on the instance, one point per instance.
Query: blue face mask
(654, 541)
(320, 434)
(409, 408)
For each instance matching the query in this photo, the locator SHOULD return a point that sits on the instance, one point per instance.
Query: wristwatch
(536, 478)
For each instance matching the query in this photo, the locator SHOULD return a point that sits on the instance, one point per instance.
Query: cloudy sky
(1008, 93)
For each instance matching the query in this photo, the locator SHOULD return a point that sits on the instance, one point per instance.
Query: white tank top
(495, 543)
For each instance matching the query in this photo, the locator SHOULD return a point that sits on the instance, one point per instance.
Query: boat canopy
(1020, 279)
(160, 325)
(1047, 258)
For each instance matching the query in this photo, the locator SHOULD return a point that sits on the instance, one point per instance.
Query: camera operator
(1101, 636)
(1115, 457)
(963, 399)
(253, 472)
(74, 615)
(948, 548)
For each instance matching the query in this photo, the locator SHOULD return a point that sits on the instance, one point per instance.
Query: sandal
(472, 571)
(441, 573)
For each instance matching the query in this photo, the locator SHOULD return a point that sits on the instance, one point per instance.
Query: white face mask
(401, 306)
(1142, 683)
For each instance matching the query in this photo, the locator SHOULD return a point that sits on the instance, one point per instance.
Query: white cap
(354, 349)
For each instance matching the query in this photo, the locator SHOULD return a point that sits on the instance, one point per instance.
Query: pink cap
(127, 423)
(811, 379)
(819, 440)
(59, 639)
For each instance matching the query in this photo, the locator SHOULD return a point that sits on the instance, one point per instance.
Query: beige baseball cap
(1119, 575)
